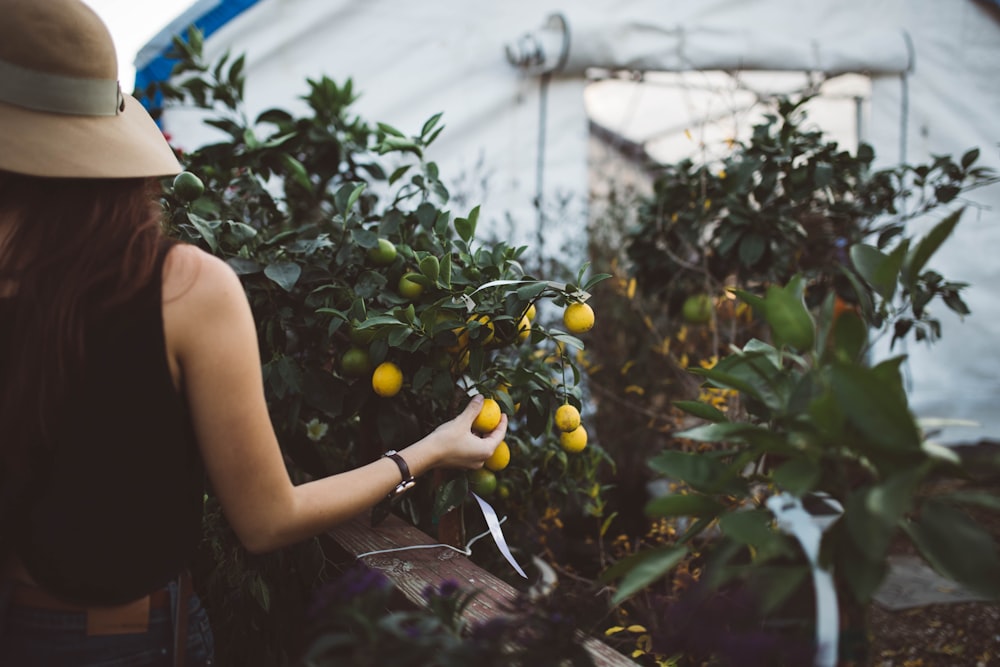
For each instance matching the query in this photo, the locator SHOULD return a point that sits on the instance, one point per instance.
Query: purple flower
(447, 589)
(352, 584)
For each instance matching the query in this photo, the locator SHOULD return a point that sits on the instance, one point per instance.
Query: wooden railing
(411, 571)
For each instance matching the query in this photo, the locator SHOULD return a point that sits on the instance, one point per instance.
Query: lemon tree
(379, 306)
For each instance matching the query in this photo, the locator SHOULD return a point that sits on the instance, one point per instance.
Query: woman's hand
(457, 446)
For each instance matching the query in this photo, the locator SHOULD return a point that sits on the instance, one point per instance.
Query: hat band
(40, 91)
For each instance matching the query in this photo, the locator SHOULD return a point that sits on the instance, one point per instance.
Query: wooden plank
(412, 570)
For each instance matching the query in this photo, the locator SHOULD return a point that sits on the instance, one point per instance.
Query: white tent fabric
(522, 136)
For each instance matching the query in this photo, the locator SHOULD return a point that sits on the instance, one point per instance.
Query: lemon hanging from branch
(387, 379)
(578, 318)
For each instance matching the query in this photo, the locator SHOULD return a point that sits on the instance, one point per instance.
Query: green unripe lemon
(383, 254)
(698, 308)
(408, 287)
(187, 186)
(355, 362)
(483, 482)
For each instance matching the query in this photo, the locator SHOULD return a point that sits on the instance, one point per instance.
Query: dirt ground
(965, 634)
(942, 635)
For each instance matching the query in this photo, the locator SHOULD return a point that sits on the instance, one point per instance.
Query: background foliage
(804, 255)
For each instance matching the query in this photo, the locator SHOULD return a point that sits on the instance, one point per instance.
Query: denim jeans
(43, 638)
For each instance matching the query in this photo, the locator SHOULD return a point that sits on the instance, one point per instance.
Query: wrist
(425, 454)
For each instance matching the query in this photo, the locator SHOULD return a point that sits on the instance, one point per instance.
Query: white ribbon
(792, 518)
(470, 305)
(494, 525)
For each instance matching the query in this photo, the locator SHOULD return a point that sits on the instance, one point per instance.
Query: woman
(128, 368)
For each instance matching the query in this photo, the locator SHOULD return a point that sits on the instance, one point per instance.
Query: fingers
(496, 435)
(472, 409)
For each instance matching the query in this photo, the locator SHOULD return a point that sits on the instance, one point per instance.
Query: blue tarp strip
(160, 66)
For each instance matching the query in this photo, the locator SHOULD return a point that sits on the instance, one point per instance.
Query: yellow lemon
(567, 418)
(524, 329)
(500, 457)
(530, 313)
(578, 318)
(485, 321)
(574, 441)
(387, 379)
(488, 417)
(461, 362)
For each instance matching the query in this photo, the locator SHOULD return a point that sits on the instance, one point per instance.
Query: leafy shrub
(817, 248)
(340, 234)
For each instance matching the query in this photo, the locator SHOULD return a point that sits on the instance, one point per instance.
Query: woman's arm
(212, 345)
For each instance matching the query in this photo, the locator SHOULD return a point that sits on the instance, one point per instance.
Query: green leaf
(449, 495)
(772, 586)
(957, 547)
(872, 513)
(474, 218)
(206, 229)
(285, 274)
(702, 410)
(849, 337)
(355, 195)
(390, 130)
(297, 171)
(876, 407)
(392, 143)
(879, 270)
(753, 527)
(701, 472)
(243, 266)
(464, 228)
(642, 569)
(970, 157)
(430, 123)
(980, 498)
(786, 313)
(797, 476)
(752, 248)
(928, 245)
(399, 173)
(683, 504)
(430, 266)
(724, 432)
(445, 274)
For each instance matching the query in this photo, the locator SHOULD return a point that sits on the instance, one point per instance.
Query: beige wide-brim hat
(62, 112)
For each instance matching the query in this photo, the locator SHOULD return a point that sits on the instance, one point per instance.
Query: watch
(404, 470)
(382, 509)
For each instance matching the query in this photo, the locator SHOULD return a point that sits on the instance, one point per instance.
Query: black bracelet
(404, 470)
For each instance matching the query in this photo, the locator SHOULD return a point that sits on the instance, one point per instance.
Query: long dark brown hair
(75, 248)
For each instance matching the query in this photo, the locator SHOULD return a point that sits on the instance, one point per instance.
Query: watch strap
(380, 511)
(404, 469)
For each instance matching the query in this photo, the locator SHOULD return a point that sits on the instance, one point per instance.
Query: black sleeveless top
(117, 510)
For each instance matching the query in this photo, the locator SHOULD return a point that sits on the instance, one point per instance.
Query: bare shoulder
(191, 275)
(203, 302)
